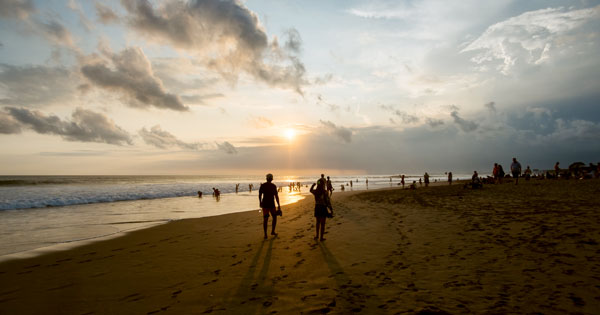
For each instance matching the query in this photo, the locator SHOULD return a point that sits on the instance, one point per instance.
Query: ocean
(38, 213)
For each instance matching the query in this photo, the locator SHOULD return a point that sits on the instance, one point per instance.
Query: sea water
(43, 211)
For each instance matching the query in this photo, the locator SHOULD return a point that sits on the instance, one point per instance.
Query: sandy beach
(531, 248)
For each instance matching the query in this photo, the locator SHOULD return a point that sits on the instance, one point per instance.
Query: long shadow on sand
(252, 288)
(354, 294)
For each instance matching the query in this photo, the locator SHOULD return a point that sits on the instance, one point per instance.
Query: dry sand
(504, 249)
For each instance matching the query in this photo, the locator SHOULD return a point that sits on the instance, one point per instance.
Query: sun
(290, 134)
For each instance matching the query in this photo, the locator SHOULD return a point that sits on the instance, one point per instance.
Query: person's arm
(312, 188)
(260, 193)
(277, 198)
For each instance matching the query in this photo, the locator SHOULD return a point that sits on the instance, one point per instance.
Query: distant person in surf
(329, 186)
(322, 203)
(267, 194)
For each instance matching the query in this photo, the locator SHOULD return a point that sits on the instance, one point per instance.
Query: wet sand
(531, 248)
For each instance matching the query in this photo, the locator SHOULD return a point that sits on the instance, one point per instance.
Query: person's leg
(318, 225)
(265, 221)
(322, 227)
(274, 225)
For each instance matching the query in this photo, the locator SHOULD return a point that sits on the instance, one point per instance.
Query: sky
(296, 87)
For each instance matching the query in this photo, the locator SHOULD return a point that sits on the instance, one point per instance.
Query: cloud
(225, 34)
(405, 117)
(130, 74)
(50, 28)
(465, 125)
(16, 8)
(84, 126)
(434, 122)
(83, 20)
(163, 139)
(339, 132)
(8, 125)
(530, 38)
(35, 85)
(491, 106)
(227, 147)
(293, 40)
(105, 14)
(261, 122)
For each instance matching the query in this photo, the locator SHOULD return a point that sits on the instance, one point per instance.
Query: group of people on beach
(268, 195)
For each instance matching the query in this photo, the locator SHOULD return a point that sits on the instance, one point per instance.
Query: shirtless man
(267, 194)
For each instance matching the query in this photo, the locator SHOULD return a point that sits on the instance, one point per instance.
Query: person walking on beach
(556, 170)
(267, 194)
(402, 181)
(515, 169)
(329, 187)
(500, 173)
(449, 178)
(426, 177)
(322, 203)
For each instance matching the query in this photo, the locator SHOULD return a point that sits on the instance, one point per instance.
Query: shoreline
(503, 249)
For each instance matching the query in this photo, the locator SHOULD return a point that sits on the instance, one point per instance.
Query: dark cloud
(405, 117)
(163, 139)
(226, 33)
(465, 125)
(16, 8)
(293, 40)
(434, 122)
(35, 85)
(339, 132)
(491, 106)
(105, 14)
(84, 126)
(130, 74)
(227, 147)
(9, 125)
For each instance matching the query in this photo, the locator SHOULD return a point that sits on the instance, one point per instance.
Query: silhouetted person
(556, 170)
(413, 186)
(500, 173)
(329, 187)
(449, 178)
(476, 181)
(322, 202)
(199, 194)
(267, 194)
(527, 173)
(426, 176)
(402, 181)
(322, 181)
(515, 169)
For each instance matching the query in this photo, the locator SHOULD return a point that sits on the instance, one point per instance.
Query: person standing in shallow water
(322, 202)
(267, 194)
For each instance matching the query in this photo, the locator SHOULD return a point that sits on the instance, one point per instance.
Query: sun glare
(290, 134)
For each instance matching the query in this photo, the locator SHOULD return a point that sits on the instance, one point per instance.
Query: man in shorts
(515, 169)
(267, 194)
